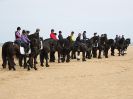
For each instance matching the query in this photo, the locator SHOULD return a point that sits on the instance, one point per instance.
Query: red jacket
(53, 36)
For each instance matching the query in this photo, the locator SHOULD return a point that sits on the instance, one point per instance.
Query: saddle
(22, 49)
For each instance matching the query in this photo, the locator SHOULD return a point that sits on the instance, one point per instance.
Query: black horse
(94, 41)
(101, 44)
(11, 49)
(64, 48)
(51, 46)
(35, 46)
(47, 44)
(89, 46)
(81, 47)
(121, 45)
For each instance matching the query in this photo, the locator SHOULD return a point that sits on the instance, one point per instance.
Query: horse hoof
(78, 59)
(35, 68)
(4, 66)
(14, 69)
(99, 58)
(36, 62)
(68, 61)
(42, 65)
(47, 65)
(10, 69)
(83, 60)
(63, 61)
(25, 67)
(89, 57)
(28, 69)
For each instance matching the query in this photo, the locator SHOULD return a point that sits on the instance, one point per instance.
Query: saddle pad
(23, 52)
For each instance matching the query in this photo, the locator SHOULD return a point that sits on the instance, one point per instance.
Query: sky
(102, 16)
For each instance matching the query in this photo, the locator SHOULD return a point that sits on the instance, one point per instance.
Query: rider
(72, 37)
(84, 36)
(25, 41)
(52, 51)
(123, 37)
(95, 34)
(116, 38)
(60, 35)
(78, 40)
(37, 30)
(95, 44)
(18, 36)
(53, 35)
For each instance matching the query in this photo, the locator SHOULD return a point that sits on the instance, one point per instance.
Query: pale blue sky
(101, 16)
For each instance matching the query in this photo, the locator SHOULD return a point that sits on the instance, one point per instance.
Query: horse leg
(30, 61)
(75, 55)
(42, 55)
(35, 59)
(99, 56)
(68, 57)
(20, 60)
(4, 58)
(78, 55)
(35, 63)
(63, 57)
(87, 55)
(25, 61)
(52, 56)
(83, 56)
(46, 58)
(112, 51)
(72, 55)
(119, 52)
(11, 62)
(106, 53)
(122, 52)
(59, 54)
(90, 55)
(94, 52)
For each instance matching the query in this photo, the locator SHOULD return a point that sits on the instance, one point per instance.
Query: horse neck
(35, 35)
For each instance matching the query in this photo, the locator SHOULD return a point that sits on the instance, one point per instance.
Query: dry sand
(110, 78)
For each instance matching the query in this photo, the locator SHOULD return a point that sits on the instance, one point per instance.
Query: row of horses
(66, 49)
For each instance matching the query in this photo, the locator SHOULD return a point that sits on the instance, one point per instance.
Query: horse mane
(35, 35)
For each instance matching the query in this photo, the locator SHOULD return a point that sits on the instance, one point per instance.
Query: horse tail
(15, 49)
(4, 54)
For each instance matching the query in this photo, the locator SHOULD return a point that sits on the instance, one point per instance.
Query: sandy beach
(110, 78)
